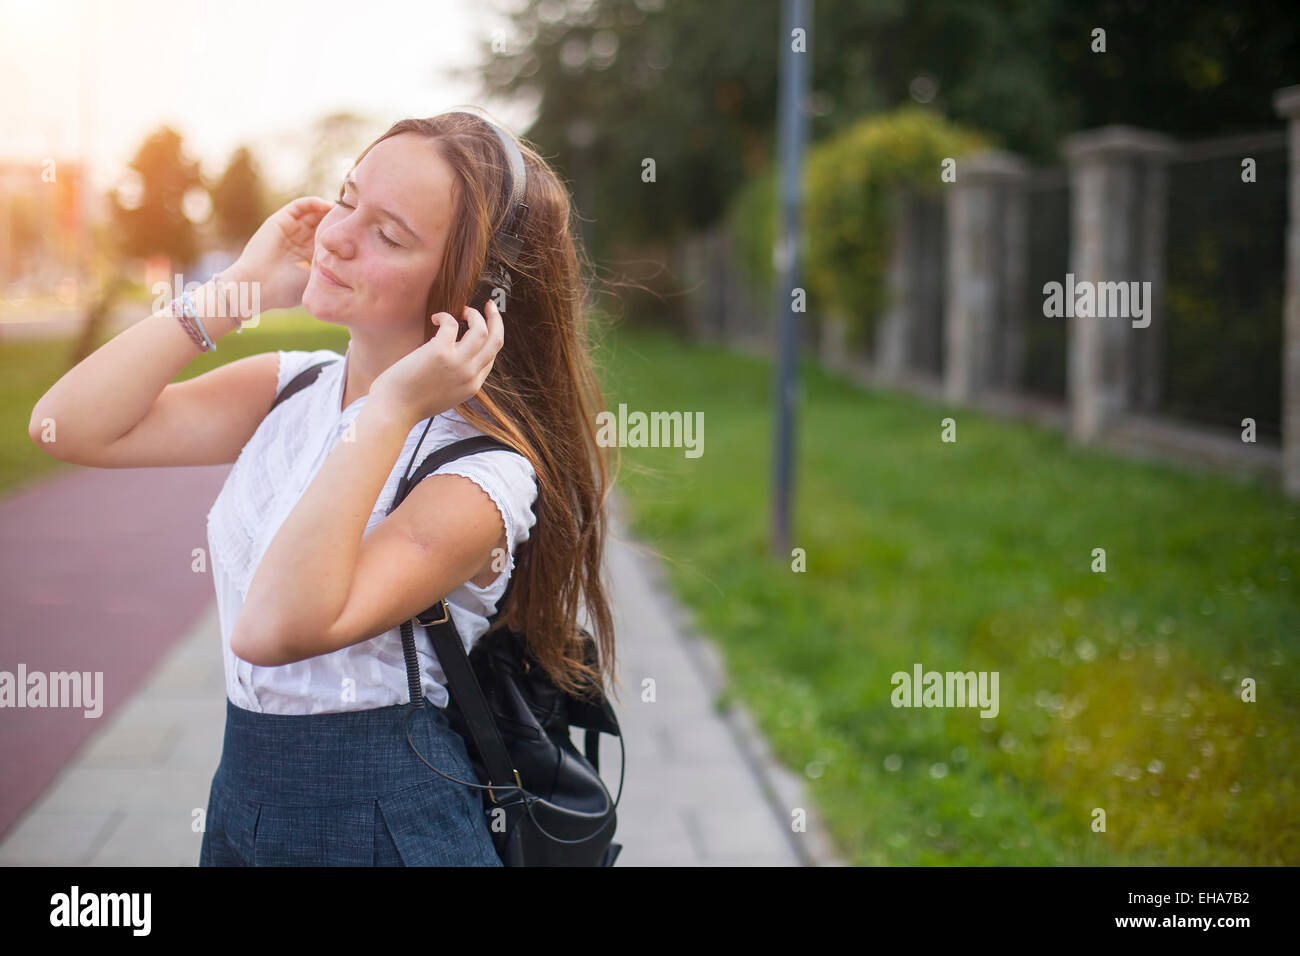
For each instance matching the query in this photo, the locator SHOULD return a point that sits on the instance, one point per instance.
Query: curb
(781, 788)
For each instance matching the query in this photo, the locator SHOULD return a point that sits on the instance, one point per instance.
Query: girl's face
(384, 238)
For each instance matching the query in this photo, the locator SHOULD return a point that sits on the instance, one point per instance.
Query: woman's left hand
(442, 372)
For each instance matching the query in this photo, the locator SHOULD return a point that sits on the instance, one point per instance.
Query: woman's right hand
(279, 254)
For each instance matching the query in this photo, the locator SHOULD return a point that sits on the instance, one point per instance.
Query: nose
(335, 237)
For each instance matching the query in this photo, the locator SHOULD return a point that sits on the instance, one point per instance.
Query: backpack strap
(447, 643)
(462, 683)
(436, 459)
(299, 382)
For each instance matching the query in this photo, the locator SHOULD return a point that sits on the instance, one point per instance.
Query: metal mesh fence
(1224, 265)
(1049, 255)
(926, 347)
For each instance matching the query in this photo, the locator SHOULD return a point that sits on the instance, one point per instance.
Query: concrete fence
(959, 318)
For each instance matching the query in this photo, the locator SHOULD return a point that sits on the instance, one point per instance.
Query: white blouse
(271, 474)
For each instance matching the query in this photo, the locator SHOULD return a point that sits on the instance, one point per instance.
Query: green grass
(28, 369)
(1118, 690)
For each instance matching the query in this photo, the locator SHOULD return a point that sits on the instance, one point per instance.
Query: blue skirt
(344, 789)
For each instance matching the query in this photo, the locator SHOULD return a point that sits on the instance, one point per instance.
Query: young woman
(313, 576)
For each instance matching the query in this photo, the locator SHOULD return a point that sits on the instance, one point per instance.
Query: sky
(95, 77)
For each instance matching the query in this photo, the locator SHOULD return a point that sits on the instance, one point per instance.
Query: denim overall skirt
(344, 789)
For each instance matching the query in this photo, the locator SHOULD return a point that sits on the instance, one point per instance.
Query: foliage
(156, 225)
(751, 224)
(694, 85)
(239, 206)
(847, 226)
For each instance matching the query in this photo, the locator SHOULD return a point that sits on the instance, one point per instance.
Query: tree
(238, 200)
(694, 85)
(157, 225)
(152, 223)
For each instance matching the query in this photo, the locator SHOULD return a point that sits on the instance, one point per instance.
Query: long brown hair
(541, 396)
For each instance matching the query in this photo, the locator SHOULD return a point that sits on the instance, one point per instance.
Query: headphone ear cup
(494, 277)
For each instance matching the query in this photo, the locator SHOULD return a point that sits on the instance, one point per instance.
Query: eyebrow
(349, 181)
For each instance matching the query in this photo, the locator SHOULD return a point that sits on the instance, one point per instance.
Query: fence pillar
(983, 316)
(894, 332)
(1118, 178)
(1287, 104)
(1014, 272)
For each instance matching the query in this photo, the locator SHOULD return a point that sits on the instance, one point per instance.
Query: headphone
(496, 273)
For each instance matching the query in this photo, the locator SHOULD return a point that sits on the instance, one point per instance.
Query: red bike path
(96, 575)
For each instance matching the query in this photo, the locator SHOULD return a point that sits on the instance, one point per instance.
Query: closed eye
(340, 202)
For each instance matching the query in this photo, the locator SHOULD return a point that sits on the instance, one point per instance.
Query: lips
(331, 276)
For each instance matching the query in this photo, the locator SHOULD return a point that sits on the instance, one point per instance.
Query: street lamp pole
(792, 123)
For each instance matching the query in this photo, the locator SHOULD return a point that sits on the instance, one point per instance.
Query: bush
(846, 226)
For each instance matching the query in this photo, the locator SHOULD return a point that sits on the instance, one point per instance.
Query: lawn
(1120, 691)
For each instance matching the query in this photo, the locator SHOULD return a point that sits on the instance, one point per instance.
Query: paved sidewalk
(98, 576)
(700, 787)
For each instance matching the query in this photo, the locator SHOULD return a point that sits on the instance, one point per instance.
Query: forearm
(302, 583)
(111, 390)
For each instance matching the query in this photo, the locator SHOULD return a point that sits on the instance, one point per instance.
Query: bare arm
(115, 408)
(112, 390)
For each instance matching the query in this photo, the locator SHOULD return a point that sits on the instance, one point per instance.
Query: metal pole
(792, 123)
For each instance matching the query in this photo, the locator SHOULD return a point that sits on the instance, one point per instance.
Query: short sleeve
(511, 483)
(294, 361)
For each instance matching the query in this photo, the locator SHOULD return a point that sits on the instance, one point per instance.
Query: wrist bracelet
(183, 308)
(193, 313)
(177, 310)
(194, 335)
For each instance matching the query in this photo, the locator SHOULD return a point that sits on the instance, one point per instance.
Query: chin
(319, 306)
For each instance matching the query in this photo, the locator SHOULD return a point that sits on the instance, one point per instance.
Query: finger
(494, 326)
(477, 329)
(313, 217)
(308, 208)
(496, 323)
(445, 333)
(305, 216)
(492, 334)
(476, 353)
(304, 226)
(484, 372)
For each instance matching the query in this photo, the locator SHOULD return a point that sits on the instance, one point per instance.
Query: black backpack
(545, 802)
